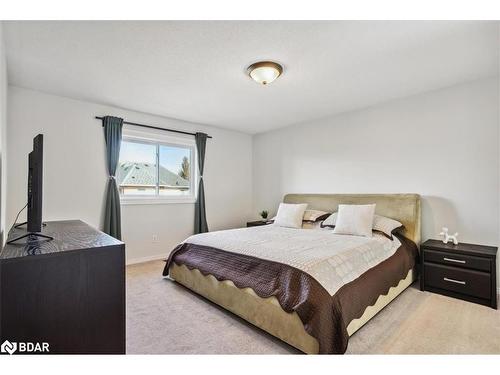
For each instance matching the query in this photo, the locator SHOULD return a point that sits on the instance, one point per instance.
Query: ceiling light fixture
(264, 72)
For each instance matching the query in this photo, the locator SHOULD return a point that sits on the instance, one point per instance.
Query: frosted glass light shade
(264, 72)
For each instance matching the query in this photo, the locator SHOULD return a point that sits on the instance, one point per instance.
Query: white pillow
(380, 223)
(290, 215)
(385, 225)
(330, 221)
(314, 215)
(355, 220)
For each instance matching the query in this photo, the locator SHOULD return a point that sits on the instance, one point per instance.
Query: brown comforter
(325, 317)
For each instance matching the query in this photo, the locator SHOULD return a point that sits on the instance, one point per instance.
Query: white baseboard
(145, 259)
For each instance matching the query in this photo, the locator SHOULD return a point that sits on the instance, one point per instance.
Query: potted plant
(264, 214)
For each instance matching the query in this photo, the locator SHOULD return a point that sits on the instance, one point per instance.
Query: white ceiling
(195, 70)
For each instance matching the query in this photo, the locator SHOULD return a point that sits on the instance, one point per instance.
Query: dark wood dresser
(464, 271)
(68, 292)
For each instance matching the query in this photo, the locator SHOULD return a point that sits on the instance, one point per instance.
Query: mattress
(332, 259)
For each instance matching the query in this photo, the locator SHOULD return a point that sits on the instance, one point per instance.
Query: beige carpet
(164, 317)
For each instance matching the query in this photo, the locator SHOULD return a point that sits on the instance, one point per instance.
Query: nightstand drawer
(457, 260)
(472, 283)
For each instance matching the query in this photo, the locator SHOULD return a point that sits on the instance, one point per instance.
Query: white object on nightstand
(448, 237)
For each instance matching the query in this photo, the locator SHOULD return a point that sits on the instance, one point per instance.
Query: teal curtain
(200, 219)
(113, 136)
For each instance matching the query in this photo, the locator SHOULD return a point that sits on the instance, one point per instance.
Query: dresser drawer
(457, 260)
(459, 280)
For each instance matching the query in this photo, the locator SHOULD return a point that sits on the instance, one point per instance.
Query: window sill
(147, 201)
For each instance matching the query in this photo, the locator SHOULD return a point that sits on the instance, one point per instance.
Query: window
(156, 169)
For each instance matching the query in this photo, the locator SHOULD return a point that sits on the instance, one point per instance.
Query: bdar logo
(8, 347)
(24, 347)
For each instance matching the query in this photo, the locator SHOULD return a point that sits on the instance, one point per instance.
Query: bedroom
(218, 192)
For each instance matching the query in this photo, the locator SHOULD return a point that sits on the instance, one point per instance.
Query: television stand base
(28, 235)
(19, 225)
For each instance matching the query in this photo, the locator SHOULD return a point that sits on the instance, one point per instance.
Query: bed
(300, 285)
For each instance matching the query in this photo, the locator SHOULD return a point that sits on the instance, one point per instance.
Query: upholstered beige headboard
(404, 208)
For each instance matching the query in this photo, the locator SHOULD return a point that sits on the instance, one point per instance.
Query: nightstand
(464, 271)
(258, 223)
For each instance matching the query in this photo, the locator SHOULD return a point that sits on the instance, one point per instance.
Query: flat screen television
(35, 185)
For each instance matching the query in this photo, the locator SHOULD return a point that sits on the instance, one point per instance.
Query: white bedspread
(333, 260)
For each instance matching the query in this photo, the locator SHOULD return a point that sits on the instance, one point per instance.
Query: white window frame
(163, 139)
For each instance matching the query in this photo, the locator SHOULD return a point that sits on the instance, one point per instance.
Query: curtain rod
(154, 127)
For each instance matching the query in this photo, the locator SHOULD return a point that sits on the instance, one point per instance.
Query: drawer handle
(454, 281)
(454, 260)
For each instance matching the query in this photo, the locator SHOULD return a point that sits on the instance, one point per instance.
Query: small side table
(464, 271)
(258, 223)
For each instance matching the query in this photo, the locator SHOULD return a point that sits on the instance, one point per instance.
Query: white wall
(3, 137)
(443, 145)
(75, 175)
